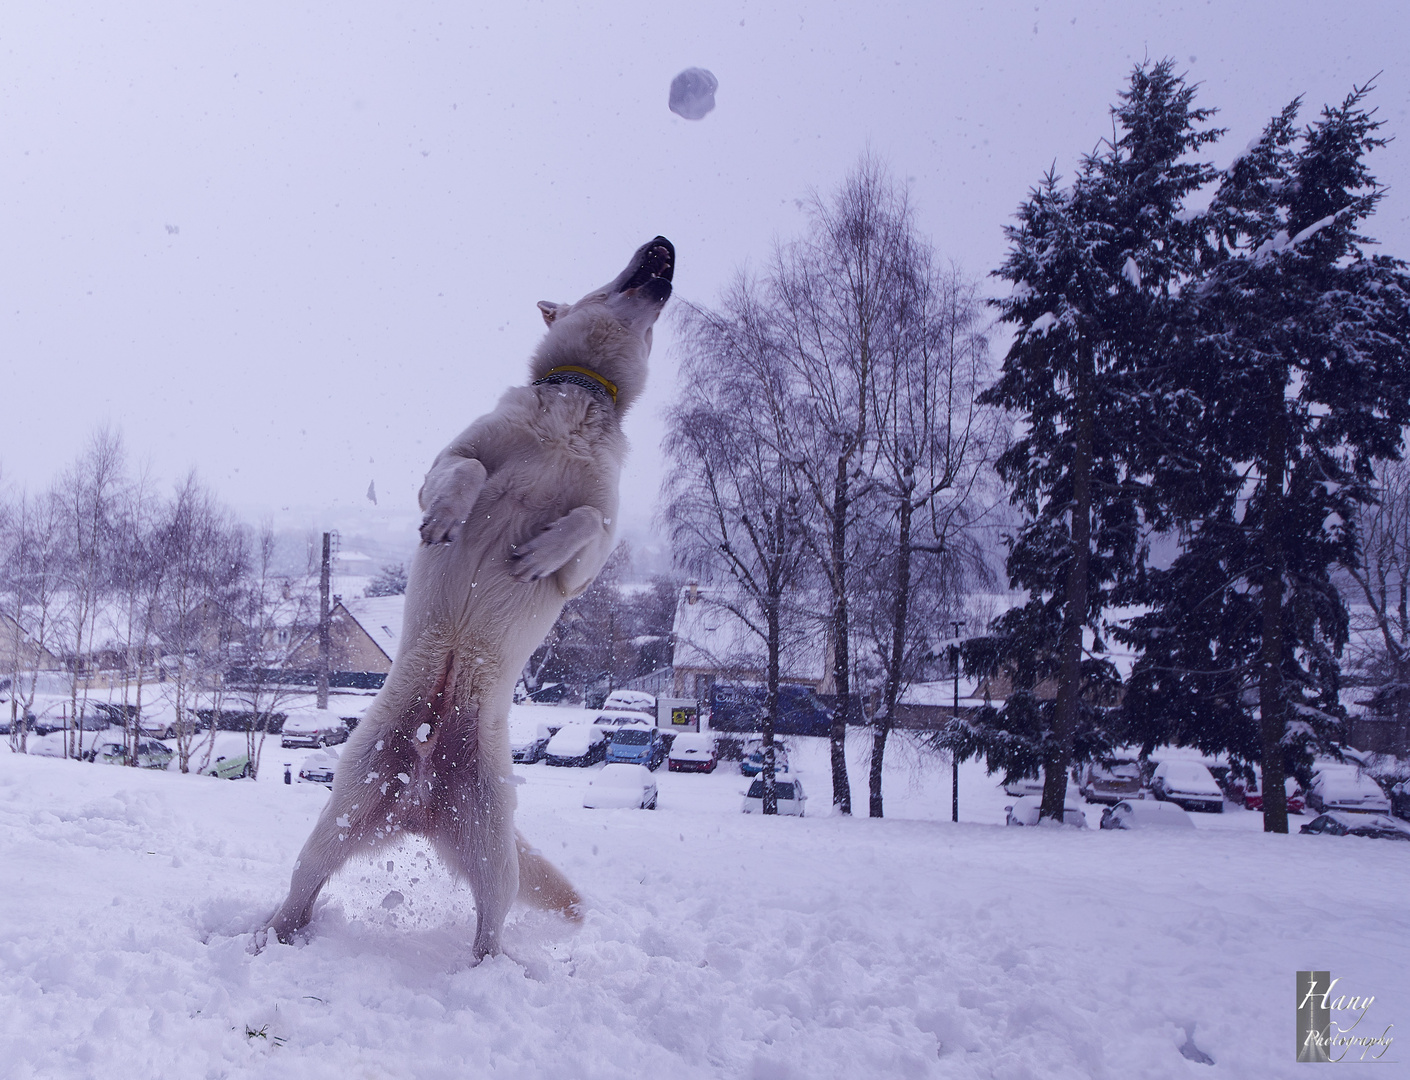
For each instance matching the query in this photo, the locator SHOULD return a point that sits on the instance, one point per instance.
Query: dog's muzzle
(656, 265)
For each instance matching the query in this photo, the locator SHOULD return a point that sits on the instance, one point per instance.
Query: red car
(1253, 797)
(692, 752)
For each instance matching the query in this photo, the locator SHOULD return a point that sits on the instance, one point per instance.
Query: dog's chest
(566, 424)
(557, 430)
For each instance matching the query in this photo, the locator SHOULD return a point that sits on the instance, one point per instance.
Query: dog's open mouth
(656, 264)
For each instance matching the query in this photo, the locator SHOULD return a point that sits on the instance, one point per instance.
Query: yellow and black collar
(579, 376)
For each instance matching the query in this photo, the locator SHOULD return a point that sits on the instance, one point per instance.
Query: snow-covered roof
(381, 617)
(942, 693)
(709, 634)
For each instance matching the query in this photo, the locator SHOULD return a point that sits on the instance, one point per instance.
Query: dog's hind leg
(543, 885)
(335, 838)
(480, 845)
(364, 811)
(487, 856)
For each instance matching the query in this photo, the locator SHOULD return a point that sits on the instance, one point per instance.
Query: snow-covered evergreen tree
(1095, 268)
(390, 581)
(1293, 379)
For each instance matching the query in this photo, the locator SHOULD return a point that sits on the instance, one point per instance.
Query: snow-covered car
(230, 768)
(636, 744)
(692, 752)
(1252, 794)
(150, 754)
(1025, 812)
(638, 701)
(164, 725)
(526, 751)
(314, 728)
(1341, 823)
(1025, 785)
(618, 786)
(1400, 800)
(610, 718)
(1111, 780)
(319, 768)
(577, 744)
(789, 793)
(1145, 814)
(1345, 787)
(753, 762)
(1188, 784)
(26, 722)
(55, 718)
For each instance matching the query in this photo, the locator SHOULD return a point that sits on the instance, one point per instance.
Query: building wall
(1380, 734)
(28, 656)
(351, 648)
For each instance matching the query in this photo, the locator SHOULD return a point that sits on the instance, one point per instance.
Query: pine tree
(1295, 370)
(1095, 269)
(390, 581)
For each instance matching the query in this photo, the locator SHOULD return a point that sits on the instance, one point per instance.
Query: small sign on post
(678, 714)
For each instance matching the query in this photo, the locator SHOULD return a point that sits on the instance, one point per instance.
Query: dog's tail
(543, 885)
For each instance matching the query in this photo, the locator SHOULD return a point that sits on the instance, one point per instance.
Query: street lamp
(954, 757)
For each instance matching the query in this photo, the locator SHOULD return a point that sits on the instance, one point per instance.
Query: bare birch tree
(33, 572)
(1383, 580)
(840, 295)
(137, 580)
(934, 449)
(732, 491)
(272, 608)
(87, 496)
(202, 563)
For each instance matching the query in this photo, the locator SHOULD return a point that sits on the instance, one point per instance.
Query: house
(713, 642)
(20, 652)
(928, 706)
(362, 640)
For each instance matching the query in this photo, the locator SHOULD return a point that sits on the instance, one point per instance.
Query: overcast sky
(297, 246)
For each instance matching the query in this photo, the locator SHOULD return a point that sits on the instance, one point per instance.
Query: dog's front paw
(530, 560)
(441, 525)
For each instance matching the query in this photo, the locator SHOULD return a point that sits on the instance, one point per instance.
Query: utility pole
(954, 716)
(323, 636)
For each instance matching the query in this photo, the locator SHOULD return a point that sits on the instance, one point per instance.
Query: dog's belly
(464, 595)
(420, 774)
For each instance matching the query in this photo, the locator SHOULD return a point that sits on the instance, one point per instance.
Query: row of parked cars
(98, 716)
(301, 728)
(153, 754)
(1348, 800)
(626, 739)
(1196, 785)
(621, 785)
(1124, 814)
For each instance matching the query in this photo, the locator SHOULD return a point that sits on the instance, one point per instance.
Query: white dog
(519, 518)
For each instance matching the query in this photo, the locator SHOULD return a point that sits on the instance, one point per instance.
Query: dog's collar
(579, 376)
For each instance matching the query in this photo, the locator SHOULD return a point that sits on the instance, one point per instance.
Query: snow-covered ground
(717, 944)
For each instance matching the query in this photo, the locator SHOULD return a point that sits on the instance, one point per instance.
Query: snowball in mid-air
(693, 93)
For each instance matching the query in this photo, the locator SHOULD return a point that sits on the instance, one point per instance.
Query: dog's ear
(551, 311)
